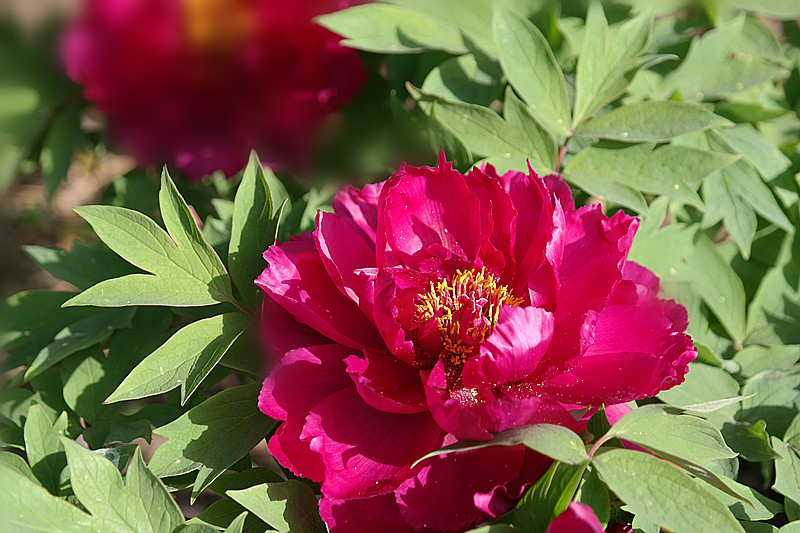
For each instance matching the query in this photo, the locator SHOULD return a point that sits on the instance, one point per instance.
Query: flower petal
(387, 383)
(359, 208)
(297, 280)
(428, 220)
(303, 378)
(578, 518)
(442, 495)
(366, 452)
(514, 348)
(378, 513)
(635, 354)
(344, 252)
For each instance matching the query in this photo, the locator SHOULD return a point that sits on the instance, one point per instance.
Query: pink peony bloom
(578, 518)
(436, 307)
(198, 83)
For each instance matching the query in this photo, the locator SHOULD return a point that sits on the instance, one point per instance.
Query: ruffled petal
(636, 353)
(578, 518)
(387, 383)
(281, 333)
(296, 279)
(594, 255)
(345, 253)
(428, 220)
(513, 350)
(378, 513)
(366, 452)
(303, 378)
(359, 208)
(442, 495)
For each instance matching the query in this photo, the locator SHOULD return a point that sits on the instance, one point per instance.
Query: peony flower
(436, 307)
(201, 82)
(577, 518)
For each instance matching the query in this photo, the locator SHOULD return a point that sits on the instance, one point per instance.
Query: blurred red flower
(436, 307)
(198, 83)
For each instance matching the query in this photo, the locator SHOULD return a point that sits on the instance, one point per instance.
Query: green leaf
(391, 29)
(253, 230)
(607, 63)
(671, 170)
(484, 132)
(662, 493)
(548, 497)
(87, 383)
(215, 434)
(16, 463)
(754, 359)
(787, 470)
(776, 400)
(186, 270)
(185, 359)
(532, 70)
(286, 506)
(60, 141)
(543, 147)
(722, 202)
(553, 441)
(26, 506)
(82, 266)
(43, 448)
(757, 507)
(719, 286)
(17, 101)
(143, 504)
(467, 78)
(79, 336)
(763, 155)
(649, 121)
(684, 436)
(750, 441)
(594, 493)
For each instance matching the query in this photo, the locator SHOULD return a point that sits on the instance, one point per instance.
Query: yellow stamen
(443, 301)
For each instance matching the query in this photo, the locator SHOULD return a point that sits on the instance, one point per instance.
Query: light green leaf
(288, 506)
(63, 135)
(82, 266)
(607, 62)
(391, 29)
(543, 147)
(465, 78)
(187, 271)
(78, 336)
(763, 155)
(26, 506)
(553, 441)
(87, 383)
(787, 470)
(253, 230)
(671, 170)
(684, 436)
(16, 101)
(484, 132)
(43, 448)
(215, 434)
(649, 121)
(142, 506)
(719, 286)
(754, 359)
(662, 493)
(722, 202)
(757, 507)
(751, 441)
(776, 397)
(532, 70)
(185, 359)
(549, 497)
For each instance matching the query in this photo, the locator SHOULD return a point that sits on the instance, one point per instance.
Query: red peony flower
(201, 82)
(435, 307)
(578, 518)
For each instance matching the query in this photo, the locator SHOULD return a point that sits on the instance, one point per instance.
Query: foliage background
(685, 116)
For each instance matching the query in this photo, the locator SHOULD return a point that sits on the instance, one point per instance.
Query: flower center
(217, 25)
(466, 309)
